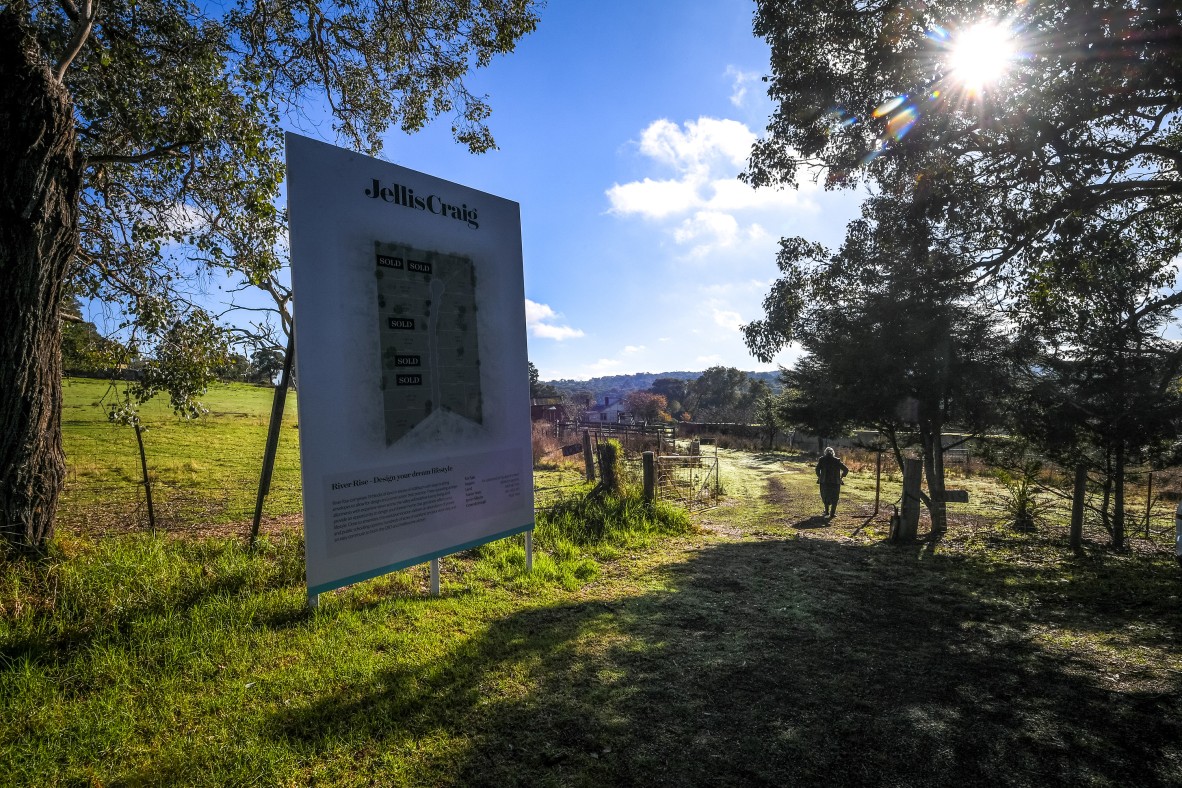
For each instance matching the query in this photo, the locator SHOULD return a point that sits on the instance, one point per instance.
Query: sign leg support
(434, 577)
(272, 437)
(529, 551)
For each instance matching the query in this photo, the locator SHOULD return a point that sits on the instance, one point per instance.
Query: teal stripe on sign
(422, 559)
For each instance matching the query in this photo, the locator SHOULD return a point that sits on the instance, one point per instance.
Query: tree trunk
(40, 175)
(1077, 506)
(1105, 516)
(932, 437)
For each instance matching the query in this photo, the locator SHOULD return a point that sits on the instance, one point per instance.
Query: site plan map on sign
(427, 324)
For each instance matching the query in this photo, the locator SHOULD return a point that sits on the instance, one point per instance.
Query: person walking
(830, 471)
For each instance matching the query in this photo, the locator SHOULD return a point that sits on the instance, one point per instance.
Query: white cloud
(542, 322)
(714, 228)
(728, 319)
(739, 82)
(653, 199)
(703, 142)
(709, 207)
(710, 360)
(731, 194)
(633, 348)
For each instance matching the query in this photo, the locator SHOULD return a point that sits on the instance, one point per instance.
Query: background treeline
(719, 394)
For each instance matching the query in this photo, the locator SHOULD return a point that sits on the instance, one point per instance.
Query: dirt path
(800, 650)
(770, 496)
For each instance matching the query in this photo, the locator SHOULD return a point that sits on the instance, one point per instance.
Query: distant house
(612, 411)
(549, 409)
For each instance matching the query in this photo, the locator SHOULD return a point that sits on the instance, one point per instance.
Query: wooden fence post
(1148, 504)
(650, 476)
(877, 479)
(1075, 539)
(909, 521)
(588, 456)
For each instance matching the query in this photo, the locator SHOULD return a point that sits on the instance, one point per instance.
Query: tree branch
(174, 149)
(89, 14)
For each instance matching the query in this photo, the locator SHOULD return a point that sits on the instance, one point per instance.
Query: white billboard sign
(411, 364)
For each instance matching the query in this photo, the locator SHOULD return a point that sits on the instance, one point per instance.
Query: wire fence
(218, 491)
(685, 475)
(199, 497)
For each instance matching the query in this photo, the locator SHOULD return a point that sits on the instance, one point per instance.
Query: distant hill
(619, 385)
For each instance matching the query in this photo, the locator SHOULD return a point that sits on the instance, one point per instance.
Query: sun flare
(981, 54)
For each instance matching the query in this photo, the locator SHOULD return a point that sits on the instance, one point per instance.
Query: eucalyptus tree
(142, 145)
(1102, 387)
(894, 334)
(1018, 126)
(725, 394)
(1050, 110)
(814, 400)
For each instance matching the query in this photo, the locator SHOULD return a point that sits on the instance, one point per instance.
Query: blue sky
(622, 126)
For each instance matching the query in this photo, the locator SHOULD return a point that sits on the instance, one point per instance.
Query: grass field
(204, 471)
(763, 645)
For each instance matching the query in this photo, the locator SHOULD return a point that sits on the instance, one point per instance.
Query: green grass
(203, 471)
(759, 645)
(138, 658)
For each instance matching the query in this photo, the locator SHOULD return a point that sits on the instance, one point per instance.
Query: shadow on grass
(801, 661)
(799, 458)
(775, 459)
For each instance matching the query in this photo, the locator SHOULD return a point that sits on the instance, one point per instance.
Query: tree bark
(1077, 506)
(40, 175)
(932, 437)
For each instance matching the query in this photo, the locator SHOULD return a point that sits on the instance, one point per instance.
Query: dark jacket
(830, 470)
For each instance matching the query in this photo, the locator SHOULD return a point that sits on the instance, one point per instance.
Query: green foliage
(813, 401)
(87, 352)
(646, 405)
(769, 414)
(1102, 373)
(265, 365)
(596, 519)
(724, 395)
(537, 388)
(1080, 127)
(611, 468)
(1020, 502)
(235, 370)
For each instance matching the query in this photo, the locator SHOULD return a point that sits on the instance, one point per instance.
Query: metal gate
(690, 480)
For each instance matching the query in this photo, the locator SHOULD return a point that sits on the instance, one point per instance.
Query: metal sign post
(272, 447)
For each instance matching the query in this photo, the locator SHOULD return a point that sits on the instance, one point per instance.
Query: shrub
(544, 441)
(596, 518)
(1019, 501)
(610, 472)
